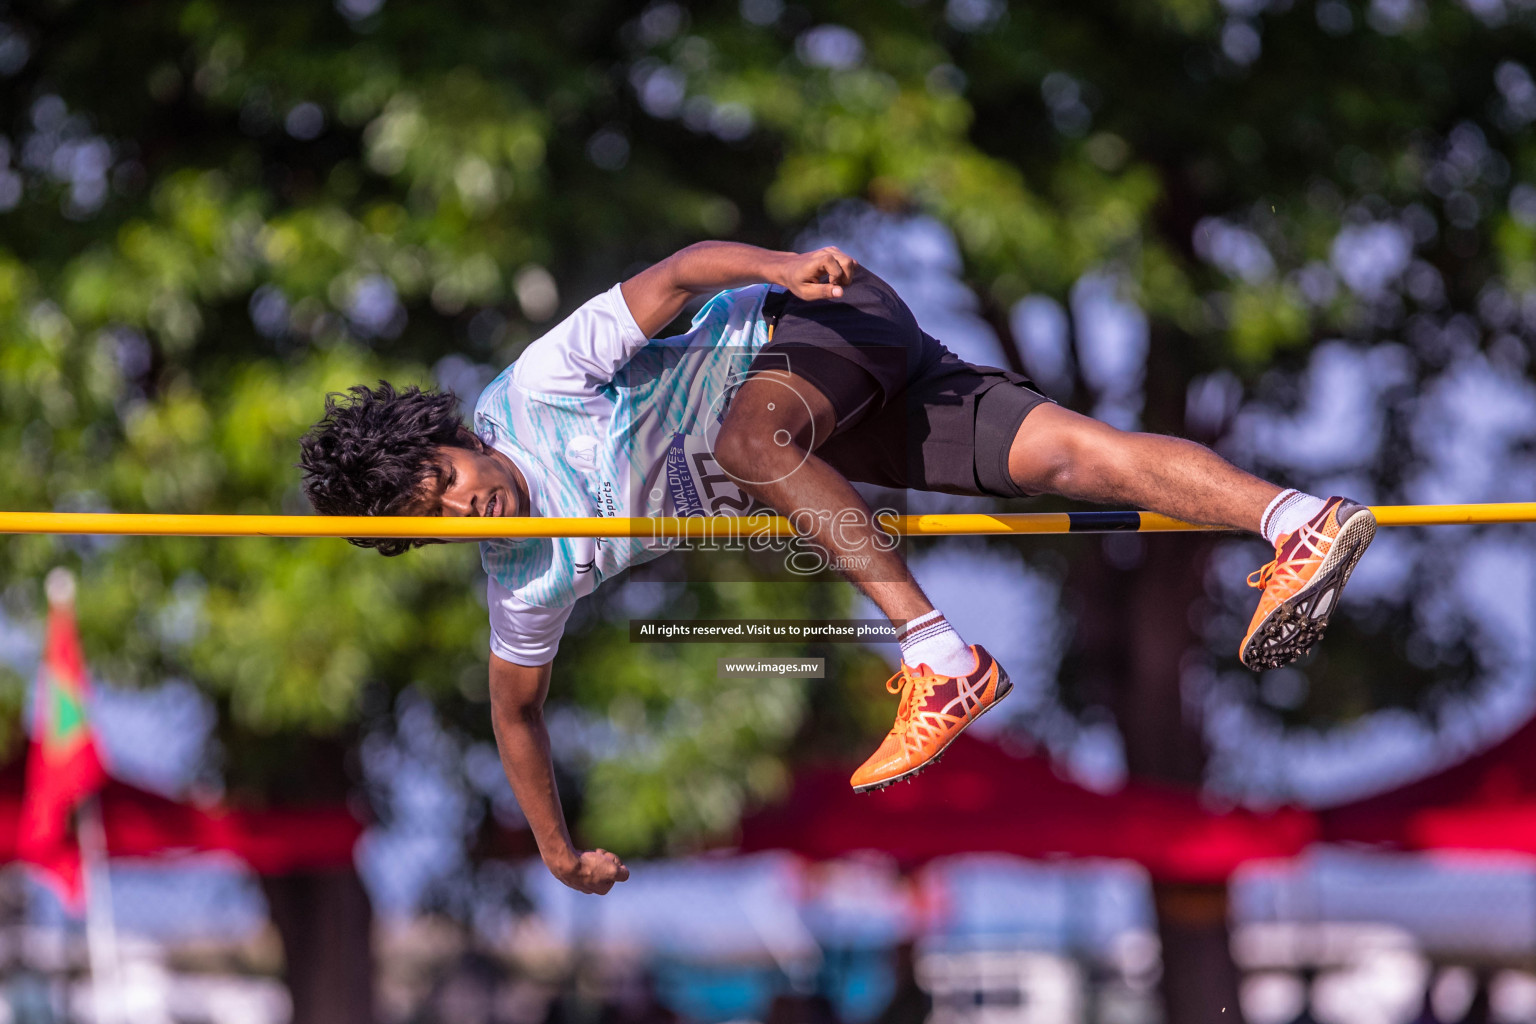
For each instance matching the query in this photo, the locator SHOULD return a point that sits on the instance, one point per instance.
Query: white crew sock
(1288, 512)
(930, 640)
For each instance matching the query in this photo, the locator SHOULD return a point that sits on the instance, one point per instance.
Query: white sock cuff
(919, 628)
(1273, 514)
(1289, 512)
(930, 640)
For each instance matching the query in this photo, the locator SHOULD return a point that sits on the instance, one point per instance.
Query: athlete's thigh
(1053, 440)
(776, 400)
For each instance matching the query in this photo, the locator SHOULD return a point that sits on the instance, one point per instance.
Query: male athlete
(805, 373)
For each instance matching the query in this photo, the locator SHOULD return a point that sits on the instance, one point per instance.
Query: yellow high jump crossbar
(718, 528)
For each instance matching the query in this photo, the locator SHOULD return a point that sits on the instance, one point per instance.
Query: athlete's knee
(1071, 467)
(773, 421)
(1078, 457)
(745, 447)
(1055, 470)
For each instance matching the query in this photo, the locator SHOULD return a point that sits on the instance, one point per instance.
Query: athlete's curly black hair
(372, 452)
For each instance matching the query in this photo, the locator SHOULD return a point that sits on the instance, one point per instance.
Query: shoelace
(1291, 567)
(915, 689)
(1259, 578)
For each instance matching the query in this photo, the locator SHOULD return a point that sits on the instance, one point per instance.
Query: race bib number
(697, 484)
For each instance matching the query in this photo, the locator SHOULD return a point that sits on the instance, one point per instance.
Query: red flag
(63, 766)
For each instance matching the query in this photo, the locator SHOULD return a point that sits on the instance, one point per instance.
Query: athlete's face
(469, 483)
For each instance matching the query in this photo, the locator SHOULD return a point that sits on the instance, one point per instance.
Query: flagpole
(100, 926)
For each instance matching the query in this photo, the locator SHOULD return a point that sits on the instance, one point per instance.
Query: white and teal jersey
(603, 421)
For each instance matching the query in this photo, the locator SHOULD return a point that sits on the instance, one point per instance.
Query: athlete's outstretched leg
(1058, 451)
(1317, 541)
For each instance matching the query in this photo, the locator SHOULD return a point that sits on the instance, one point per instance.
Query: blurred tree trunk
(323, 916)
(1133, 633)
(1135, 600)
(326, 924)
(1200, 980)
(1164, 742)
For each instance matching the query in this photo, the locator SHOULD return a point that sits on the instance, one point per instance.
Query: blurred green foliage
(224, 209)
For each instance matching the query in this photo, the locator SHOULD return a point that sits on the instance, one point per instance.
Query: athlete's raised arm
(517, 715)
(658, 293)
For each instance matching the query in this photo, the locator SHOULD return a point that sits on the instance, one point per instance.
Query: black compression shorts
(910, 413)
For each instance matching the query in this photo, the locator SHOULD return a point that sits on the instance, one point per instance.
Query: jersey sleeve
(522, 633)
(584, 351)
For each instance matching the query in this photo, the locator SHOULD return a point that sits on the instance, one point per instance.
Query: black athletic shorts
(910, 413)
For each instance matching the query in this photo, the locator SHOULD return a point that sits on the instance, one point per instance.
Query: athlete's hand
(817, 275)
(594, 872)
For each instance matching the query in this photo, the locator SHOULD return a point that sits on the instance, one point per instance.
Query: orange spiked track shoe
(934, 709)
(1301, 586)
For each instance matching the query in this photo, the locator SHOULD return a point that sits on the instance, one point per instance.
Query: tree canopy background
(212, 212)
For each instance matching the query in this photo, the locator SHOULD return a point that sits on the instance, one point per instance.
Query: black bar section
(1103, 522)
